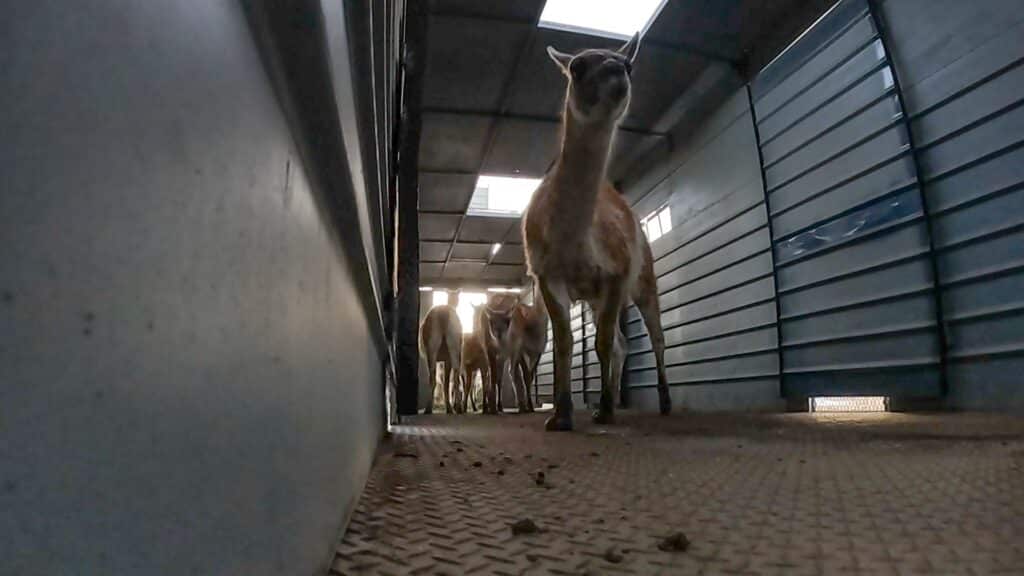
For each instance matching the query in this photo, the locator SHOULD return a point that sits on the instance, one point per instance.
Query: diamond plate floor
(757, 494)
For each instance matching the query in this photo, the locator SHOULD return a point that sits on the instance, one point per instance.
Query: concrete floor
(786, 494)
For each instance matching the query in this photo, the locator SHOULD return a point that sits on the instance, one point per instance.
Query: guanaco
(497, 317)
(527, 338)
(583, 242)
(474, 359)
(441, 341)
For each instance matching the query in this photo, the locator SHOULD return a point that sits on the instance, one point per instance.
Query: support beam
(771, 241)
(414, 62)
(875, 12)
(504, 115)
(471, 284)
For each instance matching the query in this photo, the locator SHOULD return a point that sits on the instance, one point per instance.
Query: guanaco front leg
(556, 298)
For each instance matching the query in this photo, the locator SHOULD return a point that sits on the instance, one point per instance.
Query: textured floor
(773, 494)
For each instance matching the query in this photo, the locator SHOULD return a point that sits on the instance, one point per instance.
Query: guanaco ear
(560, 58)
(629, 49)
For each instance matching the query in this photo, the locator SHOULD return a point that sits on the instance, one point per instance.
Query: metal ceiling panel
(502, 272)
(523, 147)
(468, 62)
(438, 226)
(539, 87)
(451, 142)
(430, 271)
(712, 24)
(659, 77)
(463, 270)
(515, 234)
(510, 254)
(445, 192)
(434, 251)
(485, 228)
(471, 251)
(523, 10)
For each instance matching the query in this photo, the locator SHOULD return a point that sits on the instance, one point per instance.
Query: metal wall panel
(963, 83)
(872, 242)
(192, 363)
(714, 272)
(851, 242)
(582, 339)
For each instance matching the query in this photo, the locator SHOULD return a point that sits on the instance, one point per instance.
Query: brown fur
(528, 336)
(582, 239)
(496, 318)
(441, 341)
(474, 359)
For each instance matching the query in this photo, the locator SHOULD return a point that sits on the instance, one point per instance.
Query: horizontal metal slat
(869, 90)
(820, 56)
(838, 81)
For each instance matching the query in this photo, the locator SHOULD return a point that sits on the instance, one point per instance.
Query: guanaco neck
(580, 170)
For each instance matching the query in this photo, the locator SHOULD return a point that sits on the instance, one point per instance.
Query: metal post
(407, 301)
(771, 242)
(876, 21)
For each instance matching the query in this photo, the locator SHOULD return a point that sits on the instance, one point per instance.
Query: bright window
(657, 223)
(848, 404)
(467, 303)
(438, 298)
(501, 195)
(615, 18)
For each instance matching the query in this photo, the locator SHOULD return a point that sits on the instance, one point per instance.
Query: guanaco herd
(583, 242)
(508, 334)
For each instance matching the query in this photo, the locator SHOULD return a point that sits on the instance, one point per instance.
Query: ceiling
(492, 100)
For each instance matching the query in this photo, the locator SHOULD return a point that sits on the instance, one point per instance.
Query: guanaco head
(498, 314)
(599, 83)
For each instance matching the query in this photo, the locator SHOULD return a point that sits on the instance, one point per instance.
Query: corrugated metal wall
(582, 335)
(960, 69)
(191, 358)
(546, 373)
(714, 272)
(850, 181)
(854, 273)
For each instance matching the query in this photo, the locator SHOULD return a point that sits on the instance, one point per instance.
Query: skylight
(614, 18)
(501, 195)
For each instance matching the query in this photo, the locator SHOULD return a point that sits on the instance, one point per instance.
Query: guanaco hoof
(665, 406)
(558, 424)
